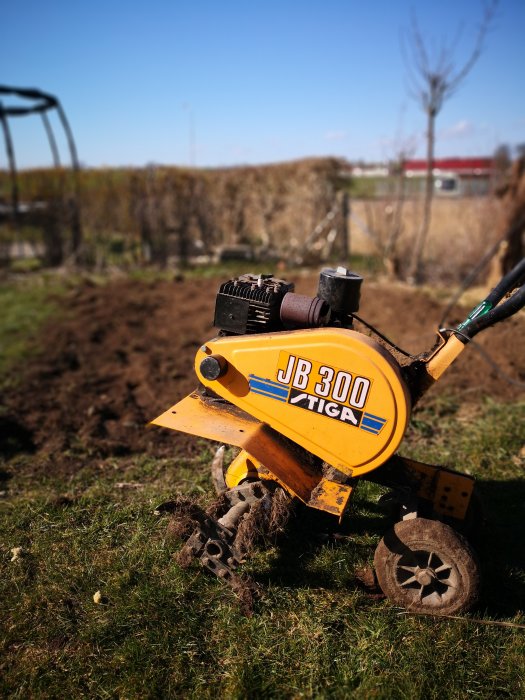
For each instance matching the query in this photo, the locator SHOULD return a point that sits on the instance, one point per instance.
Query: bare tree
(434, 76)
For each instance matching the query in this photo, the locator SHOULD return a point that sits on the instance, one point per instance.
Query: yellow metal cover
(203, 416)
(327, 495)
(226, 423)
(334, 391)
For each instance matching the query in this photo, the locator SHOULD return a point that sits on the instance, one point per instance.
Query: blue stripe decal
(371, 415)
(372, 424)
(271, 389)
(369, 430)
(266, 381)
(269, 396)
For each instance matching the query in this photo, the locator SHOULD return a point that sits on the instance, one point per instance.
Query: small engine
(263, 303)
(250, 304)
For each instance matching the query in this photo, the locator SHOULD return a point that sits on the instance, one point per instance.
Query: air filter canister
(341, 289)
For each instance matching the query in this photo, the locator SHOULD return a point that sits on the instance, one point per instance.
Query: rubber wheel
(424, 565)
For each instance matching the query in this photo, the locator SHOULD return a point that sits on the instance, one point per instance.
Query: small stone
(17, 553)
(98, 598)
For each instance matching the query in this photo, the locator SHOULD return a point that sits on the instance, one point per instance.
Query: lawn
(159, 631)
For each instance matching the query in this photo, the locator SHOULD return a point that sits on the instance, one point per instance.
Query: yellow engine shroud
(334, 391)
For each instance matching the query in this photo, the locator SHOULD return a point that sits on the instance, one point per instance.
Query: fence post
(345, 225)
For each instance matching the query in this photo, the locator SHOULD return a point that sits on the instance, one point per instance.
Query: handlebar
(490, 311)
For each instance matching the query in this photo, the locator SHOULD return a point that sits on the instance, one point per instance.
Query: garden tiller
(315, 407)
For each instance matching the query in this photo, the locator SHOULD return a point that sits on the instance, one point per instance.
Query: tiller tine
(221, 544)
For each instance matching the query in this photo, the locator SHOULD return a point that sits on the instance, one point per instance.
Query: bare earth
(123, 353)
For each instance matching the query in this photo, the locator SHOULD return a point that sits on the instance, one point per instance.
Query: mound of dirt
(123, 353)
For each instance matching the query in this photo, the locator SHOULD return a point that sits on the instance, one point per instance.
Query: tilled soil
(122, 353)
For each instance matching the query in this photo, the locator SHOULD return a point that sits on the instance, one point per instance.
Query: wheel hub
(425, 576)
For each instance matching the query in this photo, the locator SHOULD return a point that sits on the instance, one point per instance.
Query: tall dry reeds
(461, 231)
(160, 212)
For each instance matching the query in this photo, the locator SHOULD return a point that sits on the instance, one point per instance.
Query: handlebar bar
(490, 311)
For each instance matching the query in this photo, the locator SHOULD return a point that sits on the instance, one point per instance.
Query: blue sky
(224, 83)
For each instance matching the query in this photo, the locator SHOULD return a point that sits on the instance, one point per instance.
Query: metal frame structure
(39, 102)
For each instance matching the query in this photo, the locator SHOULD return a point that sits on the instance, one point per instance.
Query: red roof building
(459, 166)
(455, 176)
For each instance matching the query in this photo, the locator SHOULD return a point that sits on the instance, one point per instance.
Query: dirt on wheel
(123, 352)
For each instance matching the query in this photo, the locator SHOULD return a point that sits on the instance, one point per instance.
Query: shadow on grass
(499, 541)
(501, 546)
(297, 563)
(16, 438)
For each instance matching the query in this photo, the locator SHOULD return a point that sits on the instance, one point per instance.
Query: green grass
(26, 304)
(169, 632)
(165, 632)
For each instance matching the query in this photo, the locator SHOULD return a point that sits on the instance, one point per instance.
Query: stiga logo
(320, 388)
(332, 409)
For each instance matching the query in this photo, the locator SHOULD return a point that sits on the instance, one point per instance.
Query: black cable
(484, 260)
(484, 354)
(494, 313)
(383, 337)
(487, 257)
